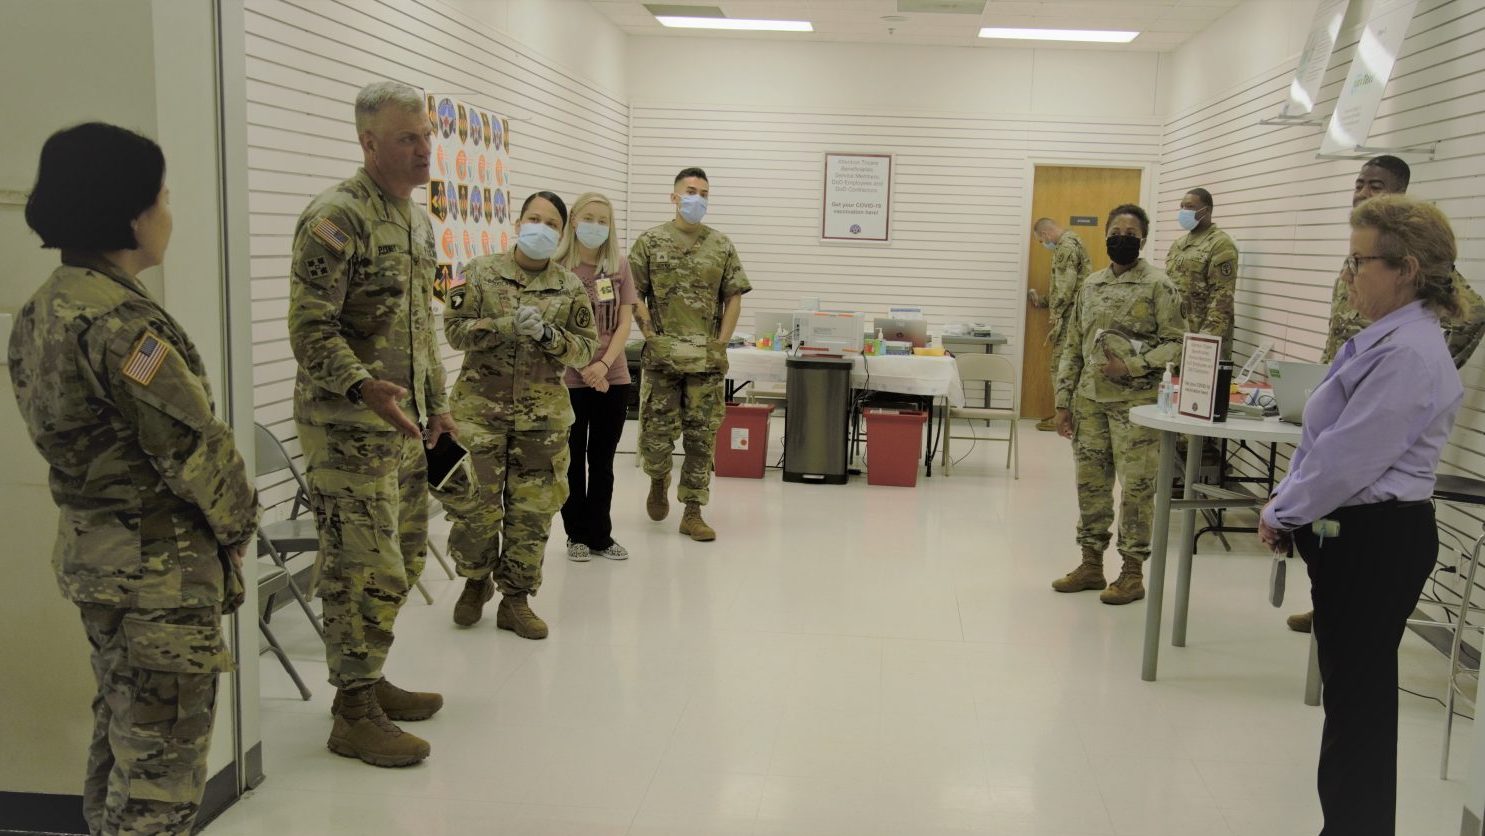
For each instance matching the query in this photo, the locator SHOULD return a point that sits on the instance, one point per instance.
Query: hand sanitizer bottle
(1166, 386)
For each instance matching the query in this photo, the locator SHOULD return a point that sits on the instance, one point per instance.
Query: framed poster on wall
(857, 204)
(469, 196)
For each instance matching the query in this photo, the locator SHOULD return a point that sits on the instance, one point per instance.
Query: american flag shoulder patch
(330, 235)
(145, 360)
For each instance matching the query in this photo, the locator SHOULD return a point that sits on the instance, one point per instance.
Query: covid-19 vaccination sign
(858, 197)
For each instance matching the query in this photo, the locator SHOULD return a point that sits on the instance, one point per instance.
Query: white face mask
(592, 234)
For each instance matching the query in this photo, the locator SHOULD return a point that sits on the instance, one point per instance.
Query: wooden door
(1072, 196)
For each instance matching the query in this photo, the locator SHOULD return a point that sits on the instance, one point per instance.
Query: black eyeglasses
(1353, 263)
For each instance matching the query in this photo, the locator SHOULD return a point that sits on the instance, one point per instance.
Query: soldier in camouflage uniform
(1125, 327)
(1070, 266)
(1389, 175)
(156, 505)
(690, 284)
(521, 319)
(361, 328)
(1203, 265)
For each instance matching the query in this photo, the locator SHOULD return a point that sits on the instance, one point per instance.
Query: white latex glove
(529, 322)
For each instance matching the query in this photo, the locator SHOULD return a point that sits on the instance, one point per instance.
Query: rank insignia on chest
(456, 299)
(584, 317)
(316, 268)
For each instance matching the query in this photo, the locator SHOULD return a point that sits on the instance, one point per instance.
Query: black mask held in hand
(1124, 250)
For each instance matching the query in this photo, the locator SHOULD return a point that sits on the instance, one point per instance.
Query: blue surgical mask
(591, 234)
(693, 208)
(1187, 219)
(1051, 245)
(537, 241)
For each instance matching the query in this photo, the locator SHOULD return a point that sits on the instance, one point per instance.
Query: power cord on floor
(1437, 700)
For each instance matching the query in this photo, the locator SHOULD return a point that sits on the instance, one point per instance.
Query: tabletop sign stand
(1199, 355)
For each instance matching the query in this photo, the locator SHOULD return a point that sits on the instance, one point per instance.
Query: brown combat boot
(363, 731)
(515, 615)
(1047, 425)
(1130, 585)
(471, 604)
(657, 504)
(1301, 622)
(693, 526)
(1088, 575)
(397, 704)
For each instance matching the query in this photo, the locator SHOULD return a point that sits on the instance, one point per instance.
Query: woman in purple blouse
(1356, 500)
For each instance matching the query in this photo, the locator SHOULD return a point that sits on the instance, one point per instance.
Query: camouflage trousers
(686, 405)
(369, 490)
(152, 716)
(501, 516)
(1105, 444)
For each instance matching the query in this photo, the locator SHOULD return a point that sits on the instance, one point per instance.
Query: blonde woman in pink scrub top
(600, 390)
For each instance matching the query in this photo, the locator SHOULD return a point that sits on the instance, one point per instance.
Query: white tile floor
(844, 660)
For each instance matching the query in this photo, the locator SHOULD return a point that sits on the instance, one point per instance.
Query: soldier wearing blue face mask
(1203, 265)
(520, 318)
(690, 284)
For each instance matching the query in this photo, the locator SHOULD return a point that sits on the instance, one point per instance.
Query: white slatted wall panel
(961, 195)
(1288, 211)
(305, 61)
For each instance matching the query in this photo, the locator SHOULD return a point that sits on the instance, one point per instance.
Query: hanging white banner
(1371, 67)
(1305, 86)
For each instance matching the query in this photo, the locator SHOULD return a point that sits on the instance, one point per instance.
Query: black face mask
(1123, 250)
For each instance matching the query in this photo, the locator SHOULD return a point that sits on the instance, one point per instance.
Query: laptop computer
(913, 331)
(1292, 383)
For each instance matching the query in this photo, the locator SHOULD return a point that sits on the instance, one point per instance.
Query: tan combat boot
(471, 604)
(363, 731)
(397, 704)
(1301, 622)
(693, 526)
(657, 504)
(515, 615)
(1130, 585)
(1088, 575)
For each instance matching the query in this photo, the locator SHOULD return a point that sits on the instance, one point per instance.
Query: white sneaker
(614, 552)
(578, 553)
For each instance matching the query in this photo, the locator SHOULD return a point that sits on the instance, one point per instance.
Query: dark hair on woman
(93, 180)
(1129, 209)
(693, 171)
(549, 197)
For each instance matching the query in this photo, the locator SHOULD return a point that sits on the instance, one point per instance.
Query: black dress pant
(1364, 583)
(598, 424)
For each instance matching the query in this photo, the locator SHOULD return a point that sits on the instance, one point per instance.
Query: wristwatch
(353, 394)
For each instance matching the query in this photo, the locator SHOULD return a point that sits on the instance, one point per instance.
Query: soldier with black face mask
(1126, 325)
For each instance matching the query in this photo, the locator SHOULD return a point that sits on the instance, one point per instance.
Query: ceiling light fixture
(735, 24)
(1106, 36)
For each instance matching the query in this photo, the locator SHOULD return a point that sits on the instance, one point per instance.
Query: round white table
(1267, 430)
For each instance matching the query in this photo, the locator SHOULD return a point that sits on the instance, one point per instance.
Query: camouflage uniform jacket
(1203, 267)
(1462, 335)
(509, 378)
(1070, 266)
(147, 479)
(1116, 312)
(684, 289)
(359, 305)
